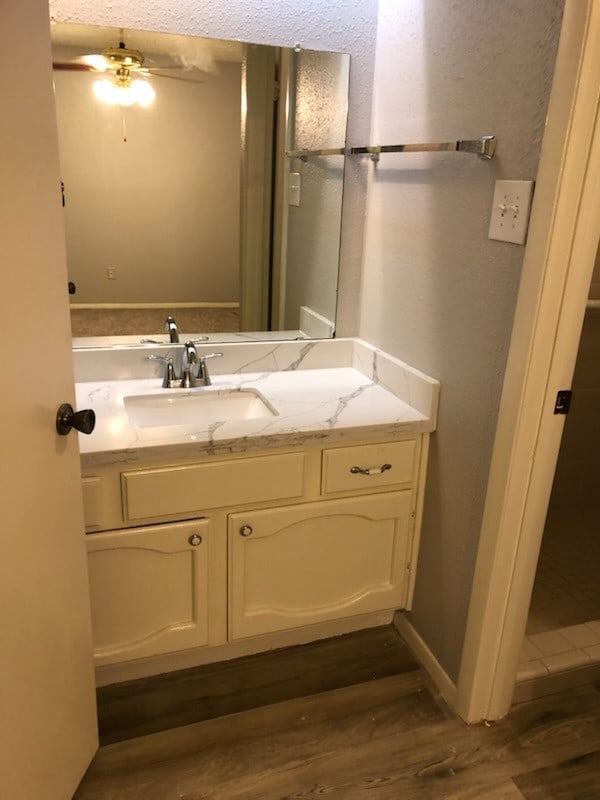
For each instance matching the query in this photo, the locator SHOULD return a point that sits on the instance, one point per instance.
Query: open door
(48, 728)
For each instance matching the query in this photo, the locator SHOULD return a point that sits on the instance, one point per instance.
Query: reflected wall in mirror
(189, 206)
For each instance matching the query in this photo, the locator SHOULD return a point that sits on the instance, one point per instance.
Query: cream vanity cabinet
(200, 553)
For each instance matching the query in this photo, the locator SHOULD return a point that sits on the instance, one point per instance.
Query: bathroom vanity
(296, 516)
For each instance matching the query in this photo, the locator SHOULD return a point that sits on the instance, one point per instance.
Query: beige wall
(437, 292)
(162, 208)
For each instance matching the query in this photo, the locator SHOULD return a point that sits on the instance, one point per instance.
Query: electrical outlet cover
(510, 211)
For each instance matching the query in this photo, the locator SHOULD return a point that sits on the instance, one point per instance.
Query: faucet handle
(169, 380)
(203, 378)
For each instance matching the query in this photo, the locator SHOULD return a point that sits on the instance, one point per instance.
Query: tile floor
(563, 630)
(567, 584)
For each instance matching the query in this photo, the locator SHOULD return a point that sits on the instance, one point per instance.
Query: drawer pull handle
(370, 470)
(195, 540)
(245, 530)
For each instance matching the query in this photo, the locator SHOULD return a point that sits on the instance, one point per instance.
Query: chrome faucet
(191, 357)
(171, 327)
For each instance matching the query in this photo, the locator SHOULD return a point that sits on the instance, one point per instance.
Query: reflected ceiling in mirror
(188, 207)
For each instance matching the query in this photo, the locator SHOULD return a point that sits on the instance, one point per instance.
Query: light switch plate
(294, 188)
(510, 211)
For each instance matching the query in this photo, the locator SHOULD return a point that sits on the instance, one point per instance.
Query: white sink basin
(202, 407)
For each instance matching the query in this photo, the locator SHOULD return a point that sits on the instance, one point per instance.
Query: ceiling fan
(125, 74)
(123, 63)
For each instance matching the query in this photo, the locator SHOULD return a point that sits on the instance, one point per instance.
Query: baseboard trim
(444, 684)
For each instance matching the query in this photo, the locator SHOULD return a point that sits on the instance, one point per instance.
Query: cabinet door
(299, 565)
(149, 590)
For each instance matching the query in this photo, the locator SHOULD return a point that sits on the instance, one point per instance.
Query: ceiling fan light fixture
(123, 91)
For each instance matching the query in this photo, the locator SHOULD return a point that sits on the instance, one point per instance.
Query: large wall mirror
(185, 204)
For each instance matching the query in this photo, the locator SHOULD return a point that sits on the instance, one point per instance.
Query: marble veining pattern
(337, 389)
(307, 404)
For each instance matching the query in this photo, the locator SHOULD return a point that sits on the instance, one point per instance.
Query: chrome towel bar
(304, 154)
(484, 148)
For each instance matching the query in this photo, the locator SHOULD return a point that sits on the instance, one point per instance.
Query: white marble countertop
(309, 403)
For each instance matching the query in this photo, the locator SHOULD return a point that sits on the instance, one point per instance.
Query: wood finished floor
(352, 718)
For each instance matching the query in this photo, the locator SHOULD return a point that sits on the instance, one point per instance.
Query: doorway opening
(562, 641)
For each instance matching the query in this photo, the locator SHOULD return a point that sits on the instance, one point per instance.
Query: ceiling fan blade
(95, 60)
(72, 66)
(155, 73)
(92, 62)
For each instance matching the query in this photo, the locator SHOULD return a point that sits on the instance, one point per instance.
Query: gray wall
(162, 207)
(347, 26)
(437, 292)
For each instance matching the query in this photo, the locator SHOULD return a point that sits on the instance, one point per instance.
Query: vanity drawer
(365, 467)
(149, 493)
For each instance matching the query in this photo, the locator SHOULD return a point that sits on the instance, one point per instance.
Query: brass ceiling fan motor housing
(123, 58)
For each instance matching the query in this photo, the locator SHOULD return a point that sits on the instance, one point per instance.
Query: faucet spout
(171, 327)
(189, 357)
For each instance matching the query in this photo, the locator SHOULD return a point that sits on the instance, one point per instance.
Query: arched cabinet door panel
(299, 565)
(149, 590)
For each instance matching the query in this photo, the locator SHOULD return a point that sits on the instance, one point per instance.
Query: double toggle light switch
(510, 211)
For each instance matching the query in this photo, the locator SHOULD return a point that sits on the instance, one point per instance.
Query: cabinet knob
(245, 530)
(195, 540)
